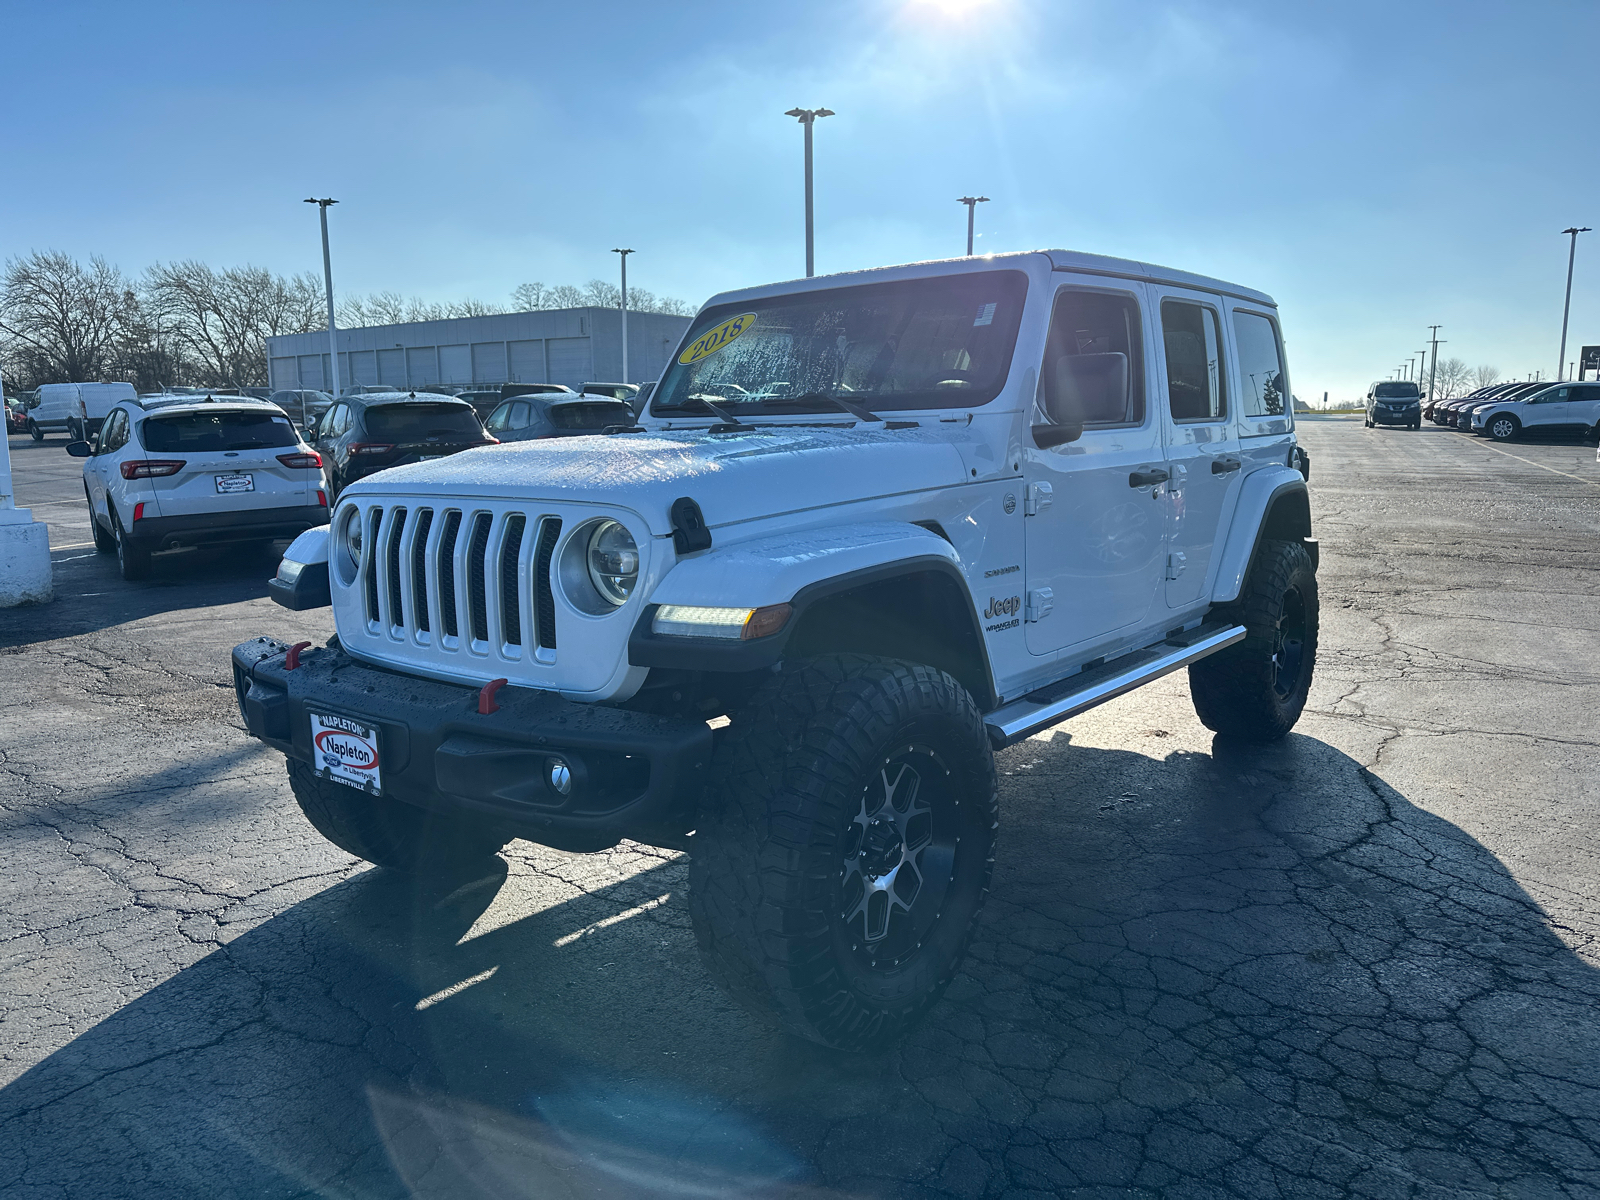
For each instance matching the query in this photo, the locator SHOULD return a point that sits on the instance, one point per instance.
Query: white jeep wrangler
(885, 524)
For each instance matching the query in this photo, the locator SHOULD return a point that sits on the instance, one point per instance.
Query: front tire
(845, 848)
(1256, 689)
(390, 833)
(104, 541)
(1502, 427)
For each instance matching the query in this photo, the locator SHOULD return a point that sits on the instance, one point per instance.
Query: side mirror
(79, 449)
(1045, 436)
(1084, 388)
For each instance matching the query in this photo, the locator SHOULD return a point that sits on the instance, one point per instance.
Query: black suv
(530, 416)
(364, 434)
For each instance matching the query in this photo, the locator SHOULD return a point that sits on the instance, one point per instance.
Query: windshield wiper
(730, 423)
(839, 402)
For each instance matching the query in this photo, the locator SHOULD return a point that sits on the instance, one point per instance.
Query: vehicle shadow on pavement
(90, 595)
(1249, 972)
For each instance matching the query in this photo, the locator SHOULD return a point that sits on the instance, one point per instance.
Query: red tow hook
(293, 660)
(486, 704)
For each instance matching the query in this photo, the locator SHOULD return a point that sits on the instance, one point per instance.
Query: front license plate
(345, 750)
(235, 483)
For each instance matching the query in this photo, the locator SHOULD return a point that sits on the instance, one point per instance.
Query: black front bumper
(1393, 416)
(633, 774)
(208, 529)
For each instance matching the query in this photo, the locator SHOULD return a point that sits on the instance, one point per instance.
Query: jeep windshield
(1396, 391)
(942, 342)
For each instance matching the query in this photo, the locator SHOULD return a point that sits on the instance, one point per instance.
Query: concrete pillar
(24, 546)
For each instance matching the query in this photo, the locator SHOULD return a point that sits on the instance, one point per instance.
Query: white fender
(771, 570)
(310, 547)
(1256, 496)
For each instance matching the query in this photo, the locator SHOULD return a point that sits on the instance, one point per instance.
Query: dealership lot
(1360, 962)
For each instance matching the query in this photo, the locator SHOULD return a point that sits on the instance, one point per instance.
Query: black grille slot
(419, 569)
(447, 573)
(549, 531)
(510, 606)
(374, 520)
(397, 614)
(477, 596)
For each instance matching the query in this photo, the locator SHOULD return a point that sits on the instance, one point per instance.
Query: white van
(75, 409)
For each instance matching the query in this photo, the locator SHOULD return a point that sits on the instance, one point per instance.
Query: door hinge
(1175, 564)
(1040, 602)
(1037, 499)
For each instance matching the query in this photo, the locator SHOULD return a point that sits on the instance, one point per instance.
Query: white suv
(167, 472)
(1563, 408)
(885, 523)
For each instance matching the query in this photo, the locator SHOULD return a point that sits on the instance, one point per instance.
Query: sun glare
(950, 8)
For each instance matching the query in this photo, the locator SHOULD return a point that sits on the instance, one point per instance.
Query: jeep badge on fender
(798, 542)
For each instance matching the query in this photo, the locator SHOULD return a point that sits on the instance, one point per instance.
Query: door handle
(1221, 466)
(1147, 476)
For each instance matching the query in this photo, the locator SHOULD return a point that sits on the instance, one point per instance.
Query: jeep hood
(733, 477)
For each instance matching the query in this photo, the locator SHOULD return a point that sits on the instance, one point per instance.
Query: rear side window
(1193, 343)
(1260, 365)
(590, 416)
(418, 422)
(197, 432)
(1102, 329)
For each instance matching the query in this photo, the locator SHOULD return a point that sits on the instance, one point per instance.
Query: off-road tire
(1502, 427)
(35, 432)
(104, 540)
(1255, 690)
(133, 557)
(789, 840)
(390, 833)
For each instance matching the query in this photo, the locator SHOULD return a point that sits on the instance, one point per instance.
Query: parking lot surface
(1362, 962)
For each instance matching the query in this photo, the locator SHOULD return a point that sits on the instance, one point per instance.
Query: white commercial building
(562, 345)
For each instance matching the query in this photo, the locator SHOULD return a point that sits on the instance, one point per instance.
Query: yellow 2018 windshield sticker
(712, 340)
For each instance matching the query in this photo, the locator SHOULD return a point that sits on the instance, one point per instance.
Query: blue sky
(1378, 167)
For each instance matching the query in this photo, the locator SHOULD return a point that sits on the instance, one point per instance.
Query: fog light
(558, 775)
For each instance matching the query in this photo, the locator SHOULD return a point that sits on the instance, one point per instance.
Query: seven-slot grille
(461, 579)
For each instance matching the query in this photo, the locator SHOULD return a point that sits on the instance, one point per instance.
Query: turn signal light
(306, 460)
(151, 468)
(371, 447)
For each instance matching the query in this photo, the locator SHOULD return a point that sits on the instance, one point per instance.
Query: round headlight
(349, 540)
(613, 562)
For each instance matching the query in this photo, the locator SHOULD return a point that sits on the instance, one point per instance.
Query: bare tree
(1451, 377)
(63, 319)
(223, 318)
(1485, 376)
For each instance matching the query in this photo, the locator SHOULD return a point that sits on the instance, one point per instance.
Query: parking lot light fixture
(327, 279)
(624, 254)
(808, 118)
(1566, 307)
(972, 203)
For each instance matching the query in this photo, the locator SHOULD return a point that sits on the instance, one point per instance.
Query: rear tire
(35, 432)
(1502, 427)
(133, 557)
(390, 833)
(1255, 690)
(845, 847)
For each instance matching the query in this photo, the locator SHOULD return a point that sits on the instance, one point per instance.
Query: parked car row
(1506, 411)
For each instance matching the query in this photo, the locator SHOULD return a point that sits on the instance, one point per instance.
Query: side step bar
(1078, 693)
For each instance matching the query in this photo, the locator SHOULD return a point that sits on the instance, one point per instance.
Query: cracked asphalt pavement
(1362, 962)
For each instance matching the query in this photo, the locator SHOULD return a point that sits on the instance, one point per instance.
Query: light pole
(972, 203)
(1422, 362)
(624, 254)
(1566, 307)
(808, 118)
(1434, 369)
(327, 278)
